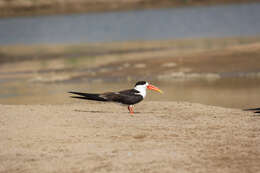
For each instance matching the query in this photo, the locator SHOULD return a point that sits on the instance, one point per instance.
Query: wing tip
(77, 97)
(254, 110)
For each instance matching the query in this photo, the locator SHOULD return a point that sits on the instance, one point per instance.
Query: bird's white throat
(141, 89)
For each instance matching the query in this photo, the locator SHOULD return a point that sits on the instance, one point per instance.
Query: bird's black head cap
(140, 83)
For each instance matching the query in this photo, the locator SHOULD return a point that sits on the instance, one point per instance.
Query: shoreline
(30, 8)
(168, 60)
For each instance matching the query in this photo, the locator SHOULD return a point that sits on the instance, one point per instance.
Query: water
(158, 24)
(235, 93)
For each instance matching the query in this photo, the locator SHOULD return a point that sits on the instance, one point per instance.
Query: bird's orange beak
(151, 87)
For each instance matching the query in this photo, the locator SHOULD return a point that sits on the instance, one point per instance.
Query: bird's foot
(131, 110)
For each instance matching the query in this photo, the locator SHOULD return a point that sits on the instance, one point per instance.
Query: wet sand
(124, 61)
(223, 72)
(98, 137)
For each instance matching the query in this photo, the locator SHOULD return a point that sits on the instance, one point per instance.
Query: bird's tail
(87, 96)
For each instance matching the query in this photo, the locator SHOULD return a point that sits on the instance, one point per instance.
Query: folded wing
(128, 97)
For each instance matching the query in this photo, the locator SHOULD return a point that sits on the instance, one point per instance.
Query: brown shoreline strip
(29, 7)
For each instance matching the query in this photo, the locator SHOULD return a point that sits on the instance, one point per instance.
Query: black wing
(255, 110)
(128, 97)
(130, 92)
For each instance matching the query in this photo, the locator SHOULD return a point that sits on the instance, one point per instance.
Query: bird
(128, 97)
(255, 110)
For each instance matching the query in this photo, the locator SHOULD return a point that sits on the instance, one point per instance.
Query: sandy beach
(104, 137)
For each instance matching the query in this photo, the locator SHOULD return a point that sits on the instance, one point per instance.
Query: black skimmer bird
(127, 97)
(255, 110)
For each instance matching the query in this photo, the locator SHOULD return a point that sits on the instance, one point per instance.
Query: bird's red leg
(130, 108)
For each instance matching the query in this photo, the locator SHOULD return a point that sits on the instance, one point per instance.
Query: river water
(156, 24)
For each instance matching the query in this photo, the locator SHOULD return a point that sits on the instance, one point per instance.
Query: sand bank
(97, 137)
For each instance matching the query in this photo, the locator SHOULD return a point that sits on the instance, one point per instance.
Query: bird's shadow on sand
(106, 112)
(77, 110)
